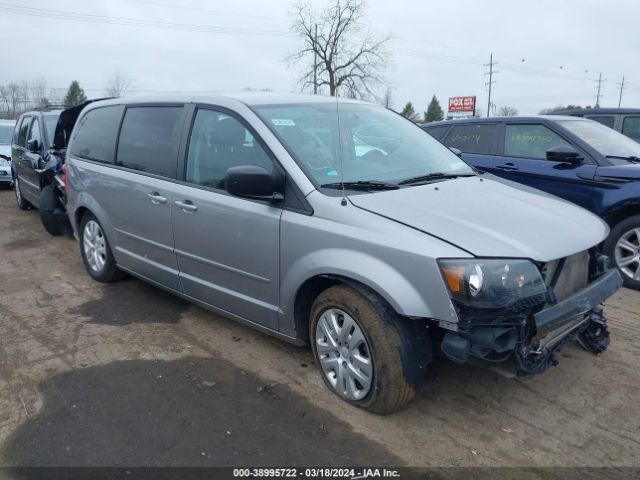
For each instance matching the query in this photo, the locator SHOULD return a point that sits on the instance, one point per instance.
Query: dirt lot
(123, 374)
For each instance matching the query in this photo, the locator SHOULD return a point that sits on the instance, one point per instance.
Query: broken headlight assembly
(491, 283)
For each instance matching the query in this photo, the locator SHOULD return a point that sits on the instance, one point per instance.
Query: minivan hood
(491, 218)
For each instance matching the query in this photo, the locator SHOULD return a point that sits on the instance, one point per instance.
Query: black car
(624, 120)
(574, 158)
(38, 152)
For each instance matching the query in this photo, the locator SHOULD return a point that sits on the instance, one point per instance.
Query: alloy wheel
(627, 253)
(344, 355)
(94, 245)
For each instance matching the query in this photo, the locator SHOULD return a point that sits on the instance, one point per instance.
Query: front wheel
(623, 248)
(95, 251)
(359, 350)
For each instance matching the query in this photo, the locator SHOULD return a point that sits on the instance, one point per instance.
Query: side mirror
(33, 146)
(457, 151)
(564, 154)
(251, 181)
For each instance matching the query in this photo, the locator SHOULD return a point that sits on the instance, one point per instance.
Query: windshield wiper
(630, 158)
(362, 185)
(433, 176)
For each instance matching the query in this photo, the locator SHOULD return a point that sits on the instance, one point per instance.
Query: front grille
(568, 275)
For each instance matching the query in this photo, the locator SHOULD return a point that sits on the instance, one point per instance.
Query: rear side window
(631, 127)
(473, 138)
(437, 132)
(530, 141)
(24, 130)
(606, 120)
(94, 137)
(149, 140)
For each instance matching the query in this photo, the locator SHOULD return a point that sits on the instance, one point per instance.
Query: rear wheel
(95, 251)
(623, 249)
(48, 203)
(359, 350)
(22, 203)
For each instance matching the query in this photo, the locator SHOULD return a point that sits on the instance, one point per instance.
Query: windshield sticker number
(283, 122)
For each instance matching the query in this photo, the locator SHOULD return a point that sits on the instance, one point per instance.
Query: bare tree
(39, 92)
(341, 53)
(118, 84)
(12, 96)
(507, 111)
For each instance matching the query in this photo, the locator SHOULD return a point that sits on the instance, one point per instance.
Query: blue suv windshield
(365, 144)
(605, 140)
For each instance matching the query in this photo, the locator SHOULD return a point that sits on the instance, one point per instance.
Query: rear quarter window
(606, 120)
(94, 137)
(437, 132)
(631, 127)
(473, 138)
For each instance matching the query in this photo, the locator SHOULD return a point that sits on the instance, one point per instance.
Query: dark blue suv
(577, 159)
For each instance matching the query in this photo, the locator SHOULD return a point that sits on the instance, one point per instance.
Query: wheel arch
(620, 211)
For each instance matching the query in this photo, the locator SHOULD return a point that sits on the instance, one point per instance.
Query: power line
(197, 9)
(491, 72)
(132, 22)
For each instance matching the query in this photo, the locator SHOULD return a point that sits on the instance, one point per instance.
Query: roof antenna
(343, 202)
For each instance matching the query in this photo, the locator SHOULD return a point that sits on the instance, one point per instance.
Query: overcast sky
(549, 52)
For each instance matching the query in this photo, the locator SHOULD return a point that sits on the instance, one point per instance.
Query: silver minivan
(339, 224)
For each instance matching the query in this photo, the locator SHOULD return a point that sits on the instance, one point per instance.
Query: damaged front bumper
(525, 342)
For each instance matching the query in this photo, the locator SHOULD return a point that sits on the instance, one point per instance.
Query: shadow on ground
(190, 412)
(132, 301)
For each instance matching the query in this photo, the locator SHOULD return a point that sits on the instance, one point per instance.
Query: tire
(48, 203)
(100, 265)
(629, 230)
(20, 201)
(388, 388)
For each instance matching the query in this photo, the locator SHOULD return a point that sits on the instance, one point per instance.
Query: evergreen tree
(409, 112)
(75, 95)
(434, 111)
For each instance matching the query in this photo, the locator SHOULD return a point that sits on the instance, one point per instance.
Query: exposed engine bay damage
(525, 338)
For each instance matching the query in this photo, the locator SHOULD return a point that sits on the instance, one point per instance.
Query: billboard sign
(463, 104)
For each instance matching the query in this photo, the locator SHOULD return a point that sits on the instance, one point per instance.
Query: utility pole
(599, 87)
(491, 81)
(315, 61)
(621, 86)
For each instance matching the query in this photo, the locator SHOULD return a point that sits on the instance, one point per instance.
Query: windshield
(605, 140)
(375, 144)
(50, 122)
(6, 132)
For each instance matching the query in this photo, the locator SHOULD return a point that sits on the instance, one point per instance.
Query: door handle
(187, 206)
(156, 198)
(507, 166)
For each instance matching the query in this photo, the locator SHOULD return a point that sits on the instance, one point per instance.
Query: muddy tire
(96, 252)
(388, 389)
(619, 247)
(48, 203)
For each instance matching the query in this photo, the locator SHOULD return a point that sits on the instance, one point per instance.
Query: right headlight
(491, 283)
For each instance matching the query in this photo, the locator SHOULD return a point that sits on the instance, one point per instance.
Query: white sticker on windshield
(283, 122)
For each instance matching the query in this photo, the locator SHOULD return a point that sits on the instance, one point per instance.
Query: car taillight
(64, 176)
